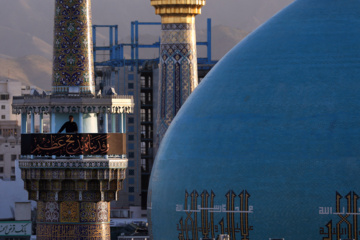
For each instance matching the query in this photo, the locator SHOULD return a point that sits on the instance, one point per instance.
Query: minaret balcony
(85, 166)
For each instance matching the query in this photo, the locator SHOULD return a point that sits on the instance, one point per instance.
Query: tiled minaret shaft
(73, 176)
(73, 54)
(178, 58)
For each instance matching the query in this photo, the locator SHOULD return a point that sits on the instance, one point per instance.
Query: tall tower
(178, 58)
(73, 176)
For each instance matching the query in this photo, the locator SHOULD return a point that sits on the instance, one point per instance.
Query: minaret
(178, 58)
(73, 176)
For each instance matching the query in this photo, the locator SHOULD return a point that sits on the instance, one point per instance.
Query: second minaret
(178, 58)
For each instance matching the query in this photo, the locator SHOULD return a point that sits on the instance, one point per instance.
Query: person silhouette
(70, 126)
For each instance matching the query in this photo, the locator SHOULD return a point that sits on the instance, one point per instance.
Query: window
(142, 98)
(149, 115)
(131, 180)
(130, 120)
(1, 157)
(131, 146)
(2, 170)
(131, 163)
(142, 81)
(142, 115)
(131, 198)
(144, 164)
(2, 106)
(131, 154)
(12, 170)
(131, 77)
(143, 148)
(2, 116)
(13, 157)
(13, 178)
(131, 172)
(4, 96)
(130, 86)
(131, 137)
(131, 189)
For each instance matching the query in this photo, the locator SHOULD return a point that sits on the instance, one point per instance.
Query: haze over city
(26, 29)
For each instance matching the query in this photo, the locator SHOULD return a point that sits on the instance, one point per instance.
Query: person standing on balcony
(70, 126)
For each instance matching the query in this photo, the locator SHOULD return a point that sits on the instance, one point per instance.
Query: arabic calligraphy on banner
(344, 218)
(204, 217)
(73, 144)
(15, 228)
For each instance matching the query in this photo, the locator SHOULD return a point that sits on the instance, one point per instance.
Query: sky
(26, 30)
(21, 19)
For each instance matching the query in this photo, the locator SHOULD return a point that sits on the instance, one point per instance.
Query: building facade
(9, 127)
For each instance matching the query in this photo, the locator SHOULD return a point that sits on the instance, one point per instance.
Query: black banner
(73, 144)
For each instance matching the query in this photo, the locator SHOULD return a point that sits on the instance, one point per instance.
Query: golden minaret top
(177, 11)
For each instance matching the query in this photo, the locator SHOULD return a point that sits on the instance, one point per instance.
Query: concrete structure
(8, 89)
(9, 151)
(178, 58)
(73, 176)
(22, 211)
(9, 127)
(267, 146)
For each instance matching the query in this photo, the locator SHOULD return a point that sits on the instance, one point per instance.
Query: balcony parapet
(73, 164)
(72, 104)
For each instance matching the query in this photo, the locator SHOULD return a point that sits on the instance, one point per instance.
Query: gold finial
(178, 11)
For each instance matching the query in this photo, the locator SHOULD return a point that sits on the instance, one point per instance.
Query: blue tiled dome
(268, 145)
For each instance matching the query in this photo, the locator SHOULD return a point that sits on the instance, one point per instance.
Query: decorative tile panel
(103, 212)
(69, 211)
(40, 211)
(73, 231)
(69, 196)
(50, 196)
(73, 57)
(52, 213)
(178, 70)
(81, 185)
(91, 196)
(88, 212)
(55, 185)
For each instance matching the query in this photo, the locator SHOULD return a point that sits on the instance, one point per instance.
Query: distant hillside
(30, 70)
(18, 44)
(224, 38)
(26, 26)
(37, 69)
